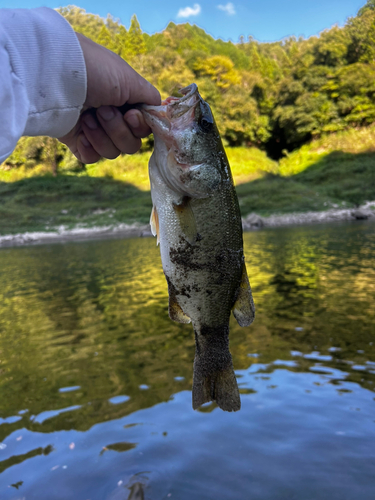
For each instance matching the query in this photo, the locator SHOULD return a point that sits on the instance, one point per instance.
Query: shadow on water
(95, 379)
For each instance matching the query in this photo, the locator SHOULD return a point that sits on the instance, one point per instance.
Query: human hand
(102, 130)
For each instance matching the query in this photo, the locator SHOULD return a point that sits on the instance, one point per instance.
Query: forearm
(42, 77)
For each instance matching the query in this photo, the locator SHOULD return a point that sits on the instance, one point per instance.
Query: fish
(197, 221)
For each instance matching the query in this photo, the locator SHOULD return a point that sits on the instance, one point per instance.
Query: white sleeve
(43, 79)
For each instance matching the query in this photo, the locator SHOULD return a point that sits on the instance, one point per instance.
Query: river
(95, 380)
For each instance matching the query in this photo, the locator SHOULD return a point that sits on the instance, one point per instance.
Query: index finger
(136, 122)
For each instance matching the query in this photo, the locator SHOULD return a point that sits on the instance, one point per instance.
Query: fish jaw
(188, 149)
(173, 116)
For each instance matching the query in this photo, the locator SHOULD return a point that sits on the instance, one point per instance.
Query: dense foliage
(276, 96)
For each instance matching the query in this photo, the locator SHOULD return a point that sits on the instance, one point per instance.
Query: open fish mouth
(187, 93)
(173, 111)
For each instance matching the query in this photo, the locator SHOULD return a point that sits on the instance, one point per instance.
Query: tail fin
(214, 378)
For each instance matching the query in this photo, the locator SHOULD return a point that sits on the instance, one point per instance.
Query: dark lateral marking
(185, 291)
(183, 257)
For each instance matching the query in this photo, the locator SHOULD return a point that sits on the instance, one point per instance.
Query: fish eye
(206, 125)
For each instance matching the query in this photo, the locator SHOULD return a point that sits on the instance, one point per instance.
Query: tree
(332, 47)
(220, 69)
(120, 41)
(82, 22)
(361, 31)
(370, 5)
(113, 25)
(134, 44)
(105, 38)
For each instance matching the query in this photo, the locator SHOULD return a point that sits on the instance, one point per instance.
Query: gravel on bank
(253, 221)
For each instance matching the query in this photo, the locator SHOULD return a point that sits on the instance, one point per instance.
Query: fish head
(192, 158)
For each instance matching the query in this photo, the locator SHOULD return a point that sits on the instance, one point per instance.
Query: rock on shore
(254, 221)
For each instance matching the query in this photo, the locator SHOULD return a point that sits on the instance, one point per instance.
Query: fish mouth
(176, 112)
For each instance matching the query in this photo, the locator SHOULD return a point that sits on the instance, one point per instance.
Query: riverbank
(323, 181)
(252, 222)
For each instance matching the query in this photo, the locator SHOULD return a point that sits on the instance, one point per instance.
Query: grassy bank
(338, 170)
(332, 172)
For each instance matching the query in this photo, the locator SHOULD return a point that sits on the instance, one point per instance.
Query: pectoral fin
(244, 309)
(186, 219)
(175, 311)
(154, 223)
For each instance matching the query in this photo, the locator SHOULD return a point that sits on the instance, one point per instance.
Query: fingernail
(133, 120)
(84, 141)
(106, 112)
(90, 121)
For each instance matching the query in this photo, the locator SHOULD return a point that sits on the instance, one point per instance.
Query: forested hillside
(286, 92)
(275, 96)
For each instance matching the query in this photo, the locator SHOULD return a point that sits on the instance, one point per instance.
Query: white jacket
(42, 76)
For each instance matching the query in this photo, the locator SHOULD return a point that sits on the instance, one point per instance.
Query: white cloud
(228, 8)
(189, 11)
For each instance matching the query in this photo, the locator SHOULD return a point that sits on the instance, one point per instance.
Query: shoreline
(251, 222)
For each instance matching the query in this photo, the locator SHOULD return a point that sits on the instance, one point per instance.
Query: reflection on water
(95, 380)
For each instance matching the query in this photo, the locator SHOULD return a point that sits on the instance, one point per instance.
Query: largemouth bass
(197, 220)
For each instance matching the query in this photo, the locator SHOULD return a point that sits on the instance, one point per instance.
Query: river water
(95, 380)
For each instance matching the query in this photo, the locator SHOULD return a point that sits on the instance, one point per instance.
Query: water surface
(95, 380)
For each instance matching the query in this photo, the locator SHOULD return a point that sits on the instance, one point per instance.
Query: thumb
(139, 90)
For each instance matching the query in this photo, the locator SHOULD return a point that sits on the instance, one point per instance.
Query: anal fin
(244, 309)
(175, 311)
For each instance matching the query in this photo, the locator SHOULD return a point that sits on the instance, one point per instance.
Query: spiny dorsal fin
(244, 309)
(154, 223)
(175, 311)
(186, 219)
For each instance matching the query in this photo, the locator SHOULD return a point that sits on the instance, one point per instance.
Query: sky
(265, 20)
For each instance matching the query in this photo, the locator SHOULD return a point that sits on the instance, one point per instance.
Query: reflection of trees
(105, 298)
(320, 279)
(95, 315)
(289, 264)
(5, 464)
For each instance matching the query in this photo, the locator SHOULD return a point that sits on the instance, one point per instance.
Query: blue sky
(265, 20)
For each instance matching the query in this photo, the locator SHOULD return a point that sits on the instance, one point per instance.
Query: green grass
(353, 141)
(108, 192)
(130, 169)
(247, 164)
(42, 203)
(336, 171)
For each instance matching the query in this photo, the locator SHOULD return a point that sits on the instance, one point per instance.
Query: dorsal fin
(244, 309)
